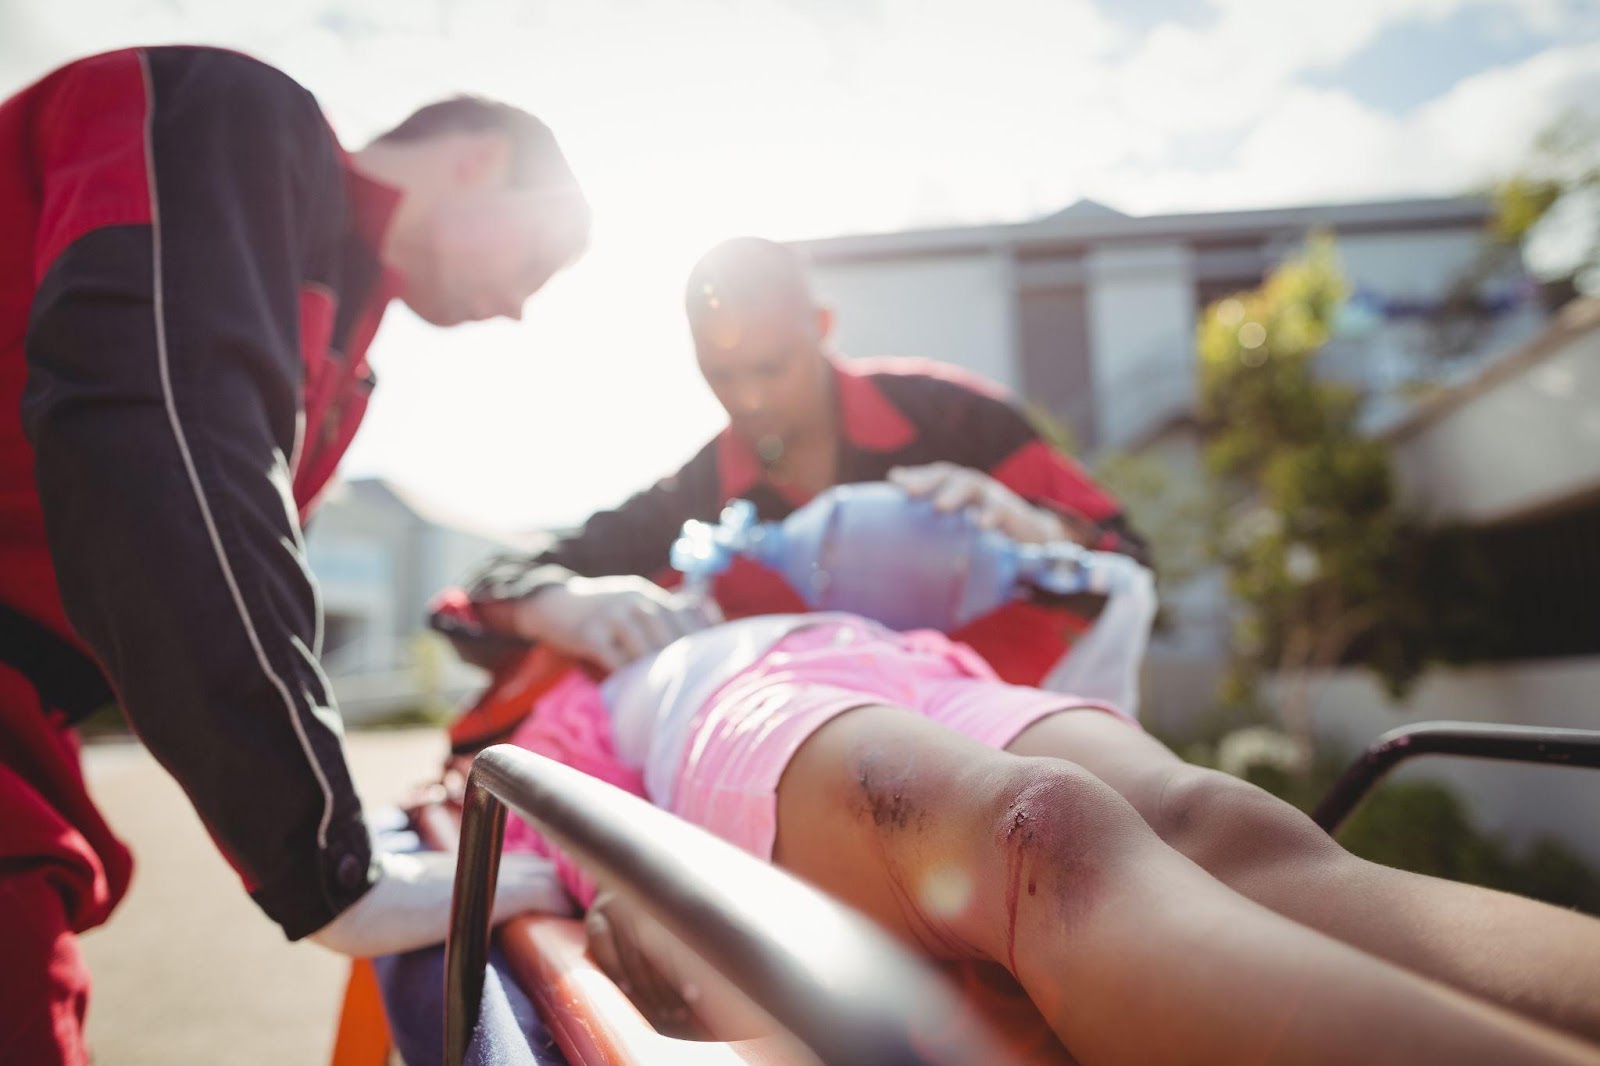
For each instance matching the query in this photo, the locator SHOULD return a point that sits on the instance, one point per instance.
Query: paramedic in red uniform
(191, 269)
(800, 419)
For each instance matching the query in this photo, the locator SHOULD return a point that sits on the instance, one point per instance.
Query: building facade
(1512, 453)
(379, 555)
(1090, 314)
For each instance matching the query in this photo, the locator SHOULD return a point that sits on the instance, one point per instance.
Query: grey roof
(1085, 208)
(1087, 222)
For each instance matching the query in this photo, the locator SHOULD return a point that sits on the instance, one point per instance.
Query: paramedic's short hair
(536, 158)
(748, 274)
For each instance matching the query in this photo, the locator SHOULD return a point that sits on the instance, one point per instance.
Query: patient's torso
(653, 701)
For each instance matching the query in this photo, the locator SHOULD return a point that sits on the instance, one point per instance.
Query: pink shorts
(744, 737)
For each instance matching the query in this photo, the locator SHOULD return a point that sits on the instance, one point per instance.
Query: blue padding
(509, 1031)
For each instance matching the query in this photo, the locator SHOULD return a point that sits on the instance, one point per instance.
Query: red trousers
(61, 872)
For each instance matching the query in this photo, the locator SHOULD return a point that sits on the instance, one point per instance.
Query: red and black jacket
(188, 285)
(892, 412)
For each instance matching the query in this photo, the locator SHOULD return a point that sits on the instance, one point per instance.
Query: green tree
(1171, 506)
(1168, 504)
(1319, 555)
(1550, 207)
(1553, 202)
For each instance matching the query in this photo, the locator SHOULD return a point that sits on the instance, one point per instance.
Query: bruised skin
(884, 798)
(1131, 951)
(1038, 838)
(938, 834)
(951, 887)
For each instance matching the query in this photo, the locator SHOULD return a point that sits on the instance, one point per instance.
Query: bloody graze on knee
(1056, 829)
(965, 843)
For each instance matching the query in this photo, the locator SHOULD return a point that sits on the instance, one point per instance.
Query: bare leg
(1131, 951)
(1534, 958)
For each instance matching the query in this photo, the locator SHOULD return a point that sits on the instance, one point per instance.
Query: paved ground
(187, 970)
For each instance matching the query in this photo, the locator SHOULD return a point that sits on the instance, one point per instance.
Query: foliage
(1311, 517)
(1557, 187)
(1549, 207)
(104, 721)
(408, 716)
(1172, 509)
(1320, 557)
(1425, 827)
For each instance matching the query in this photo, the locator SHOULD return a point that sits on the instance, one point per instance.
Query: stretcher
(838, 988)
(535, 998)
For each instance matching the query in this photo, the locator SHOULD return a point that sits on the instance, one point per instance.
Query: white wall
(378, 561)
(355, 576)
(957, 309)
(1422, 266)
(1413, 265)
(1141, 336)
(1529, 439)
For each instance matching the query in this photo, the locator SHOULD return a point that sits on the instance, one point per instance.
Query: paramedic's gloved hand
(612, 620)
(952, 488)
(409, 907)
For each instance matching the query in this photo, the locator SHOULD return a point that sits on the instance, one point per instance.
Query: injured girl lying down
(1151, 910)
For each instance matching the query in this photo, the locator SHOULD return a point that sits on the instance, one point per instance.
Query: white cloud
(1322, 144)
(1487, 121)
(1225, 74)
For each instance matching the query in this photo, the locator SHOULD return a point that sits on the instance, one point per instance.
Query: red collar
(372, 205)
(372, 209)
(867, 421)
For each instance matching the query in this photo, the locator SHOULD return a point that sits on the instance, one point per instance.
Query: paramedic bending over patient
(895, 772)
(191, 269)
(800, 419)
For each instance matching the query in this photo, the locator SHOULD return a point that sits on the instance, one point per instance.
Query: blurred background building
(1090, 316)
(380, 554)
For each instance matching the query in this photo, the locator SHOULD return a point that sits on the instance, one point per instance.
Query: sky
(693, 120)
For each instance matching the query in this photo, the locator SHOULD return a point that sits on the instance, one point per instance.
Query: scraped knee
(1054, 821)
(970, 848)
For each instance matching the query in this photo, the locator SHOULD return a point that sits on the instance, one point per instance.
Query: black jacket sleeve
(163, 404)
(974, 428)
(633, 538)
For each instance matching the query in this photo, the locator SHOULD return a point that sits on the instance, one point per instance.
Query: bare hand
(620, 943)
(953, 488)
(612, 620)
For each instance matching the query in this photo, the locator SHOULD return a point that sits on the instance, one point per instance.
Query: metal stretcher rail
(1562, 747)
(833, 979)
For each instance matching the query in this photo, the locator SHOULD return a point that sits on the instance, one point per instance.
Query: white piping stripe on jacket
(188, 461)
